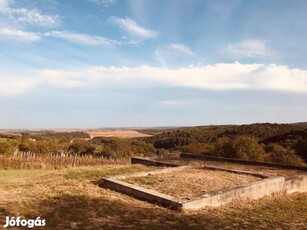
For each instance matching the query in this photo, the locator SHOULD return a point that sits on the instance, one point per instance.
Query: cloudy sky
(103, 63)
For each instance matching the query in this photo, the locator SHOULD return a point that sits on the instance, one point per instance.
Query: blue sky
(102, 63)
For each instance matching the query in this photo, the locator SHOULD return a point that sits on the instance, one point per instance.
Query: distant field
(9, 133)
(117, 133)
(96, 133)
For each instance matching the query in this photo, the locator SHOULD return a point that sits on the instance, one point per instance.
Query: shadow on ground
(81, 212)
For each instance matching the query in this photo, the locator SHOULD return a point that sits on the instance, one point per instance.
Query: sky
(144, 63)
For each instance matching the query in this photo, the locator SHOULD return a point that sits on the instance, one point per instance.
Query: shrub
(241, 147)
(281, 155)
(143, 148)
(198, 148)
(247, 148)
(81, 147)
(7, 147)
(223, 147)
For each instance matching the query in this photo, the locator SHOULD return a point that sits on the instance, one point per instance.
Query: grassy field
(71, 199)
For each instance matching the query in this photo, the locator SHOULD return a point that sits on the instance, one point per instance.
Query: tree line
(279, 143)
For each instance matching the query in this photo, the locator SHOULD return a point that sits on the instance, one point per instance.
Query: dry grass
(191, 182)
(76, 202)
(52, 162)
(117, 133)
(269, 171)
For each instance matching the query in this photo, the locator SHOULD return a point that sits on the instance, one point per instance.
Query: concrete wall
(251, 191)
(235, 171)
(148, 162)
(141, 193)
(296, 184)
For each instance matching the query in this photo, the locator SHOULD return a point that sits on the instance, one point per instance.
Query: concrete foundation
(255, 190)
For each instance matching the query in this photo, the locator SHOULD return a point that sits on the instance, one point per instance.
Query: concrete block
(141, 193)
(296, 183)
(149, 162)
(253, 190)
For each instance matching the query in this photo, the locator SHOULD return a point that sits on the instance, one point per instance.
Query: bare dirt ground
(117, 133)
(191, 182)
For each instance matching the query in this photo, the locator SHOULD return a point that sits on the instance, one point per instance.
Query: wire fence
(30, 160)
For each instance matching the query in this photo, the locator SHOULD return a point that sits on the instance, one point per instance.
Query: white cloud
(132, 28)
(82, 38)
(27, 16)
(182, 49)
(223, 76)
(248, 49)
(174, 103)
(14, 86)
(65, 79)
(10, 33)
(3, 4)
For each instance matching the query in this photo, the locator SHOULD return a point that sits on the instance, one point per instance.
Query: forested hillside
(280, 143)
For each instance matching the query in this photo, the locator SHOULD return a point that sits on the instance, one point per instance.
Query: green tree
(281, 155)
(223, 147)
(7, 147)
(247, 148)
(81, 147)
